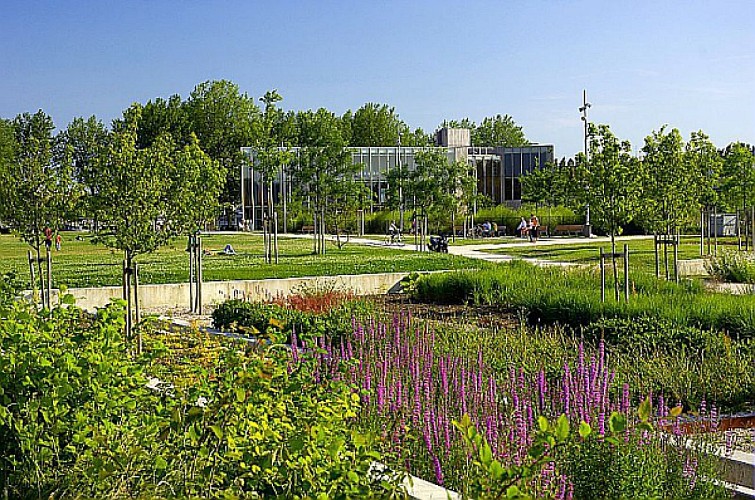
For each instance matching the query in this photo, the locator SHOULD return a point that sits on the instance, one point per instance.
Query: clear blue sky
(690, 64)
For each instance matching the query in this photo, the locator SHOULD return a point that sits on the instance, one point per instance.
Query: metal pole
(31, 274)
(49, 278)
(676, 257)
(602, 276)
(190, 248)
(199, 274)
(715, 230)
(655, 245)
(626, 273)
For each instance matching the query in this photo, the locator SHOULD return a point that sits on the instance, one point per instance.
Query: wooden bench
(569, 229)
(307, 229)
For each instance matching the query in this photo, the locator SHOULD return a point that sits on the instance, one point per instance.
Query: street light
(583, 109)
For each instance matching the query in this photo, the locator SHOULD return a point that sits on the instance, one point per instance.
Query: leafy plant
(732, 267)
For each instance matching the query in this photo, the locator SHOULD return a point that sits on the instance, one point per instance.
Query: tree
(376, 125)
(439, 186)
(224, 120)
(738, 179)
(270, 159)
(705, 163)
(37, 188)
(499, 131)
(84, 140)
(160, 117)
(669, 186)
(610, 184)
(146, 197)
(324, 170)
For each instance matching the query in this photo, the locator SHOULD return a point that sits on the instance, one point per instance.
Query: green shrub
(733, 267)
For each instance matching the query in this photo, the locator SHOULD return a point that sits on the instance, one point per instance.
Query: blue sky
(644, 63)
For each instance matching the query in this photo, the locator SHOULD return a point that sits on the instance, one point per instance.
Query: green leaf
(160, 463)
(584, 429)
(486, 454)
(496, 469)
(645, 410)
(562, 428)
(240, 394)
(676, 411)
(513, 492)
(542, 422)
(217, 430)
(617, 422)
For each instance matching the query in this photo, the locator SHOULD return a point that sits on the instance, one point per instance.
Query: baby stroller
(438, 244)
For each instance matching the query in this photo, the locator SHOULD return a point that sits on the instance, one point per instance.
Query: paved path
(479, 251)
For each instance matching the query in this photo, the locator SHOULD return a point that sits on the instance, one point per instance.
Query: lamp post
(400, 184)
(583, 109)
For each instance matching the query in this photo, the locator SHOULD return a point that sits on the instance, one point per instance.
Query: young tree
(738, 179)
(146, 197)
(324, 169)
(37, 189)
(610, 184)
(669, 186)
(439, 186)
(705, 163)
(271, 157)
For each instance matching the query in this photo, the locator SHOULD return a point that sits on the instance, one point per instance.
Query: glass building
(498, 170)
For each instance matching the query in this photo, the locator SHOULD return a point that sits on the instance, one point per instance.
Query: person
(48, 236)
(414, 225)
(494, 228)
(521, 229)
(228, 250)
(394, 232)
(534, 225)
(486, 228)
(58, 242)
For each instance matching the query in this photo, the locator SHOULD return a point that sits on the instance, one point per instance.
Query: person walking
(48, 236)
(534, 226)
(58, 242)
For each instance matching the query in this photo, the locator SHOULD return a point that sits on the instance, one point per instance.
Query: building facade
(498, 170)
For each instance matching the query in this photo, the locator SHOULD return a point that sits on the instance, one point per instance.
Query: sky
(689, 64)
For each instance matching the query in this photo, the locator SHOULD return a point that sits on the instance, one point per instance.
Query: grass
(641, 253)
(84, 264)
(573, 297)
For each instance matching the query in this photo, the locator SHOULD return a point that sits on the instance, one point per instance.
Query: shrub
(733, 267)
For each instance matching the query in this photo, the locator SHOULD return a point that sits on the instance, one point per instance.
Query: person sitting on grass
(228, 250)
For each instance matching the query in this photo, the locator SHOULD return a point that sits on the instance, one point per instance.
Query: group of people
(487, 228)
(529, 228)
(49, 239)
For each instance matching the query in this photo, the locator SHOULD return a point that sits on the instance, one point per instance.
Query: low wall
(214, 292)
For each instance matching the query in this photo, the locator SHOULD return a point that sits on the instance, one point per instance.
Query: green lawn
(82, 264)
(641, 254)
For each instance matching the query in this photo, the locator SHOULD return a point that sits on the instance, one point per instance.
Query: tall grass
(572, 297)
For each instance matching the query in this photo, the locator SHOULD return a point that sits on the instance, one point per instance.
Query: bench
(569, 229)
(307, 229)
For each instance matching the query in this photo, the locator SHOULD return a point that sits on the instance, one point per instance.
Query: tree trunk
(613, 263)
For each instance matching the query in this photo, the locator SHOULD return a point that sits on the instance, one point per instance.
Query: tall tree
(160, 117)
(610, 184)
(499, 131)
(84, 141)
(224, 120)
(376, 125)
(37, 188)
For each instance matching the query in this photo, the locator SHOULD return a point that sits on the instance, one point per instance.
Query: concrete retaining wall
(214, 292)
